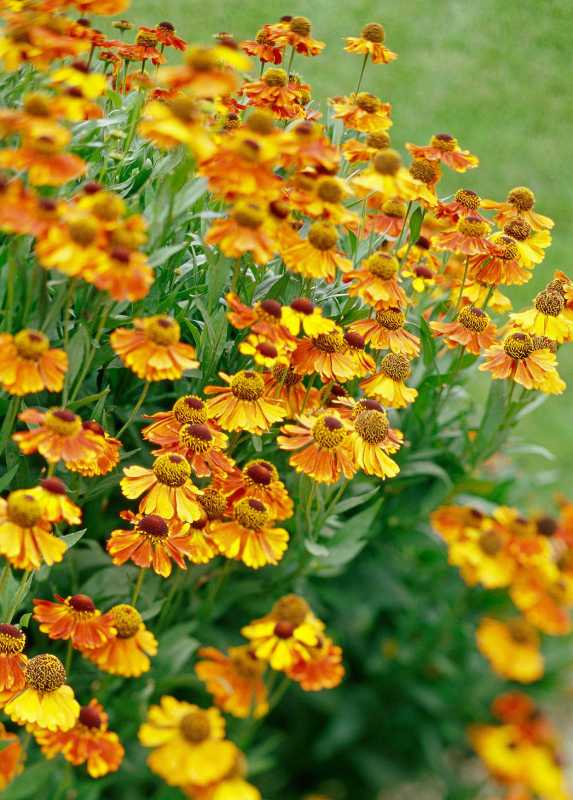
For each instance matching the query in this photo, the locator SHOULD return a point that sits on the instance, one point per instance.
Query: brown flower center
(171, 469)
(474, 319)
(468, 198)
(330, 342)
(387, 162)
(83, 230)
(425, 171)
(367, 102)
(12, 639)
(284, 630)
(246, 385)
(329, 432)
(518, 229)
(53, 486)
(322, 236)
(286, 376)
(213, 502)
(372, 426)
(522, 198)
(373, 32)
(63, 422)
(153, 526)
(31, 344)
(473, 226)
(518, 346)
(261, 122)
(126, 619)
(521, 632)
(378, 141)
(396, 366)
(329, 190)
(275, 76)
(261, 473)
(382, 265)
(89, 717)
(550, 303)
(251, 513)
(196, 437)
(190, 408)
(291, 608)
(390, 318)
(300, 25)
(195, 727)
(82, 603)
(506, 248)
(248, 215)
(45, 673)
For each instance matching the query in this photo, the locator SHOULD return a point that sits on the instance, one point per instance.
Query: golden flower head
(329, 189)
(372, 425)
(83, 230)
(23, 508)
(248, 215)
(126, 619)
(286, 376)
(154, 527)
(63, 422)
(474, 319)
(251, 513)
(390, 318)
(247, 385)
(395, 366)
(424, 170)
(373, 32)
(196, 436)
(162, 330)
(367, 102)
(260, 473)
(275, 76)
(518, 345)
(12, 639)
(261, 122)
(444, 141)
(190, 408)
(171, 469)
(518, 229)
(382, 265)
(329, 432)
(195, 726)
(213, 502)
(387, 161)
(550, 303)
(291, 608)
(468, 198)
(300, 25)
(330, 342)
(322, 235)
(473, 226)
(522, 198)
(45, 673)
(31, 344)
(490, 543)
(506, 248)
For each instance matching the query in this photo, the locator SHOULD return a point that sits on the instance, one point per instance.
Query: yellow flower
(512, 648)
(46, 700)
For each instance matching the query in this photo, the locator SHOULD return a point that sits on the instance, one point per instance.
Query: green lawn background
(495, 73)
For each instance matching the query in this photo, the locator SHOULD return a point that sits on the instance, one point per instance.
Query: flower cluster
(282, 299)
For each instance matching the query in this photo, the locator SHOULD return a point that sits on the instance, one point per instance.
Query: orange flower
(356, 150)
(206, 72)
(445, 148)
(390, 180)
(303, 315)
(324, 446)
(56, 505)
(516, 359)
(108, 457)
(127, 653)
(501, 265)
(389, 221)
(371, 43)
(11, 757)
(286, 635)
(512, 648)
(362, 112)
(323, 670)
(372, 439)
(153, 542)
(202, 445)
(243, 405)
(286, 384)
(244, 231)
(295, 31)
(265, 318)
(264, 47)
(519, 205)
(250, 537)
(59, 435)
(235, 680)
(167, 488)
(125, 275)
(317, 256)
(472, 330)
(26, 539)
(189, 408)
(376, 281)
(279, 93)
(153, 350)
(329, 355)
(74, 618)
(388, 385)
(450, 522)
(42, 156)
(177, 121)
(386, 332)
(12, 661)
(259, 479)
(466, 203)
(89, 742)
(469, 237)
(27, 365)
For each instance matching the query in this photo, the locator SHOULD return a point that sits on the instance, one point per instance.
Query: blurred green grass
(493, 73)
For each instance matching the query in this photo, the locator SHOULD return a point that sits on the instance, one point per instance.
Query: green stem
(138, 585)
(359, 84)
(67, 309)
(95, 342)
(463, 284)
(10, 291)
(69, 657)
(279, 693)
(20, 594)
(6, 571)
(292, 53)
(168, 600)
(488, 297)
(134, 410)
(9, 420)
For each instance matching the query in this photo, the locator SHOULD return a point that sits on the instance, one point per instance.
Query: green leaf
(73, 538)
(77, 351)
(416, 221)
(6, 479)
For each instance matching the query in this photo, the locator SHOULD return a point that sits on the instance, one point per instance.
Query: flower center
(518, 346)
(550, 303)
(473, 226)
(201, 59)
(83, 230)
(372, 426)
(251, 513)
(213, 502)
(171, 469)
(490, 543)
(196, 437)
(184, 108)
(53, 486)
(284, 630)
(146, 38)
(303, 306)
(517, 229)
(247, 385)
(300, 26)
(45, 673)
(522, 198)
(354, 340)
(31, 344)
(543, 343)
(521, 631)
(444, 141)
(506, 248)
(267, 350)
(12, 639)
(163, 331)
(195, 727)
(468, 198)
(126, 619)
(275, 76)
(286, 376)
(396, 366)
(23, 508)
(261, 122)
(37, 104)
(423, 170)
(82, 603)
(330, 342)
(367, 102)
(329, 432)
(329, 190)
(261, 473)
(378, 141)
(322, 236)
(390, 318)
(387, 162)
(248, 215)
(154, 527)
(373, 32)
(474, 319)
(89, 716)
(271, 308)
(547, 526)
(63, 422)
(246, 663)
(189, 408)
(291, 608)
(394, 208)
(382, 265)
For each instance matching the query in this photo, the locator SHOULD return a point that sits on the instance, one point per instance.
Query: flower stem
(69, 657)
(9, 420)
(359, 84)
(138, 585)
(20, 594)
(135, 409)
(463, 284)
